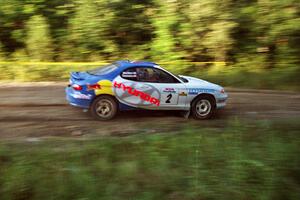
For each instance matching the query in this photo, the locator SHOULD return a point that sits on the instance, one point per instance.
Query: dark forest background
(253, 43)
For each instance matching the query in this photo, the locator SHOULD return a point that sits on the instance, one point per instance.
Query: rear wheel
(203, 107)
(104, 108)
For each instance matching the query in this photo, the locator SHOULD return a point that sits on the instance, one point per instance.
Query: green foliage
(205, 29)
(38, 72)
(38, 42)
(88, 27)
(242, 160)
(163, 45)
(1, 52)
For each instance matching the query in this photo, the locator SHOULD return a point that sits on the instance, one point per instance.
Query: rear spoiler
(76, 75)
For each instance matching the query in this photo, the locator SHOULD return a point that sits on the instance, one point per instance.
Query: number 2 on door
(169, 98)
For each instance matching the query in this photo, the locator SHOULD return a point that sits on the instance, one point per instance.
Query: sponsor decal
(78, 95)
(105, 88)
(182, 94)
(129, 74)
(126, 92)
(169, 90)
(192, 91)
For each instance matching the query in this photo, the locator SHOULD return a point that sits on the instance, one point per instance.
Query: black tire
(203, 107)
(107, 110)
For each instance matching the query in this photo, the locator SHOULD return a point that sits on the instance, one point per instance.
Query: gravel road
(31, 110)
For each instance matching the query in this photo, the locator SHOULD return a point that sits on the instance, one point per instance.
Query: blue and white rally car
(127, 85)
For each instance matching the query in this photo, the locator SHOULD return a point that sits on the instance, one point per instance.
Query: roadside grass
(274, 79)
(243, 160)
(11, 72)
(284, 78)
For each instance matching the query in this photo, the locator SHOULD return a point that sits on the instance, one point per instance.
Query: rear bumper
(78, 99)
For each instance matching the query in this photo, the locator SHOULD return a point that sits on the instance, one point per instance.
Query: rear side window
(164, 77)
(103, 70)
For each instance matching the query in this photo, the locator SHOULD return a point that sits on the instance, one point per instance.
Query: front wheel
(104, 108)
(203, 107)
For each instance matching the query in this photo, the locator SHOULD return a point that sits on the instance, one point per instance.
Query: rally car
(127, 85)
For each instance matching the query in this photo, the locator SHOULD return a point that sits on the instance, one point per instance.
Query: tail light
(94, 87)
(76, 87)
(222, 91)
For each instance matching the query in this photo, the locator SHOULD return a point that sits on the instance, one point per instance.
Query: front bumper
(78, 99)
(221, 100)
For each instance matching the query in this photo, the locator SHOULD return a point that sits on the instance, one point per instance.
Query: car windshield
(103, 70)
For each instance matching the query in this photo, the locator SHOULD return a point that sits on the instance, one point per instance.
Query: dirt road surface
(34, 110)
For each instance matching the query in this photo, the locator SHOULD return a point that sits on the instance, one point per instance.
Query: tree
(164, 18)
(205, 29)
(130, 25)
(1, 52)
(38, 40)
(89, 28)
(279, 25)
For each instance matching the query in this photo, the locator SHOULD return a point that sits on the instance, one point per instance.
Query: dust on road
(40, 109)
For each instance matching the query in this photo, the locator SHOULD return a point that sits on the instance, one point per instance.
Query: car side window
(164, 77)
(130, 74)
(153, 75)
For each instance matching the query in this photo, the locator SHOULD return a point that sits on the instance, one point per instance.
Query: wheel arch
(205, 95)
(101, 95)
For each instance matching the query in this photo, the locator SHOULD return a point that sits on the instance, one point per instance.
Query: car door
(163, 90)
(172, 91)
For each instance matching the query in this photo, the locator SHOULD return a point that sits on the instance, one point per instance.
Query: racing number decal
(169, 98)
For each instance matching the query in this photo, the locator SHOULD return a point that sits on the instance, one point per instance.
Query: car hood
(199, 83)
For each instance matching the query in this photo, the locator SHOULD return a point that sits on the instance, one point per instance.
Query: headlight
(222, 91)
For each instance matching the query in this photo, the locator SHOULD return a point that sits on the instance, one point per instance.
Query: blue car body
(185, 90)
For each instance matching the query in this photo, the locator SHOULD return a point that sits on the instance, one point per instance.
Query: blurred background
(226, 41)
